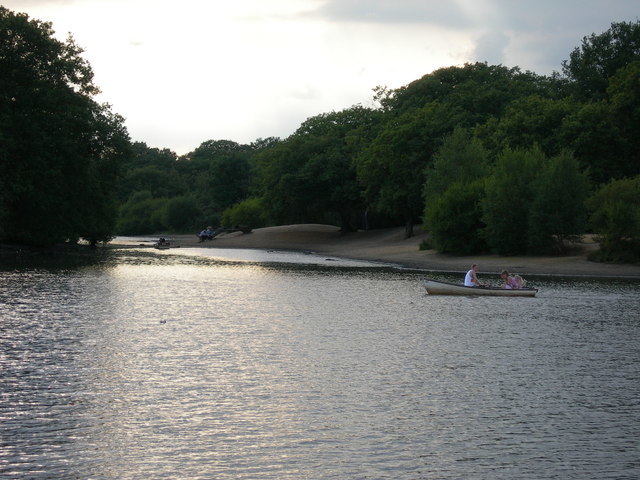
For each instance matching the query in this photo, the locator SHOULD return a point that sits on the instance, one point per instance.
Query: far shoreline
(389, 246)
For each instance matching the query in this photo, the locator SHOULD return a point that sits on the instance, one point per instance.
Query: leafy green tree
(144, 156)
(534, 120)
(142, 214)
(461, 158)
(624, 94)
(251, 212)
(331, 145)
(261, 144)
(274, 178)
(182, 214)
(421, 113)
(615, 217)
(557, 210)
(479, 89)
(228, 180)
(218, 172)
(454, 219)
(153, 170)
(152, 178)
(600, 57)
(453, 192)
(509, 190)
(392, 168)
(605, 134)
(597, 144)
(311, 177)
(61, 151)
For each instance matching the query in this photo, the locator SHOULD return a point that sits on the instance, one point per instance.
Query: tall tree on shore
(599, 58)
(505, 206)
(311, 176)
(391, 169)
(453, 193)
(61, 151)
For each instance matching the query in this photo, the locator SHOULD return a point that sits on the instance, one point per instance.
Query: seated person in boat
(471, 279)
(162, 243)
(509, 281)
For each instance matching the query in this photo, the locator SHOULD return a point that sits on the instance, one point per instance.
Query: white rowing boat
(435, 287)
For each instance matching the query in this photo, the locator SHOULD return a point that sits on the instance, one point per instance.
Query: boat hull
(435, 287)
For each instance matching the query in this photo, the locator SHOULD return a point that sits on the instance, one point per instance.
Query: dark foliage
(61, 151)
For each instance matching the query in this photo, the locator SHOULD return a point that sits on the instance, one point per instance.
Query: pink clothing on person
(512, 283)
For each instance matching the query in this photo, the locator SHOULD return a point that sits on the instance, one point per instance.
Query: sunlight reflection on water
(166, 365)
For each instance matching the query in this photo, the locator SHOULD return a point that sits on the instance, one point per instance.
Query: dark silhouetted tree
(60, 150)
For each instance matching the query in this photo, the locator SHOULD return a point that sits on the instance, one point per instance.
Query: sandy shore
(389, 245)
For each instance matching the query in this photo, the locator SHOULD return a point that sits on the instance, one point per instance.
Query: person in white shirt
(470, 279)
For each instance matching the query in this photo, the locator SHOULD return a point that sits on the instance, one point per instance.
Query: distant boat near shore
(164, 244)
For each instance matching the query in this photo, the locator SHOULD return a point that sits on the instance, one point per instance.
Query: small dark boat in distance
(435, 287)
(163, 244)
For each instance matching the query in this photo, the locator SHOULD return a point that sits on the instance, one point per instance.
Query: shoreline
(390, 246)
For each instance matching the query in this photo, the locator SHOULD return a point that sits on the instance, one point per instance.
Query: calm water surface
(252, 365)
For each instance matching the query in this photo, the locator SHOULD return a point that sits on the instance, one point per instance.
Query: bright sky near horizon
(183, 72)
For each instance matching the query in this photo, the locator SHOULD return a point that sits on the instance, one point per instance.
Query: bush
(454, 219)
(182, 214)
(250, 212)
(557, 211)
(615, 217)
(142, 214)
(461, 158)
(509, 192)
(425, 245)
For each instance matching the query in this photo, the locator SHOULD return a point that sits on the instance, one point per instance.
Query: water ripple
(165, 367)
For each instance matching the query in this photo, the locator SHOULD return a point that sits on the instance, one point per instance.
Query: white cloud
(185, 72)
(446, 14)
(490, 47)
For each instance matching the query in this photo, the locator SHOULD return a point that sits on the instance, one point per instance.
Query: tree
(150, 169)
(534, 120)
(461, 158)
(557, 209)
(61, 151)
(311, 177)
(605, 134)
(219, 173)
(534, 204)
(600, 57)
(479, 89)
(509, 190)
(248, 212)
(392, 168)
(624, 94)
(181, 213)
(454, 219)
(596, 143)
(453, 192)
(420, 114)
(615, 217)
(161, 182)
(142, 214)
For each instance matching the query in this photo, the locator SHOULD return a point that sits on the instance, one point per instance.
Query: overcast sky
(185, 71)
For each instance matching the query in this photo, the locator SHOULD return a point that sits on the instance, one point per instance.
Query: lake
(246, 364)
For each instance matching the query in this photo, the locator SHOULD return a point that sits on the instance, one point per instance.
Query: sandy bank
(389, 245)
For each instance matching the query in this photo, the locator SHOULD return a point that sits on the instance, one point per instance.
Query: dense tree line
(488, 158)
(60, 151)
